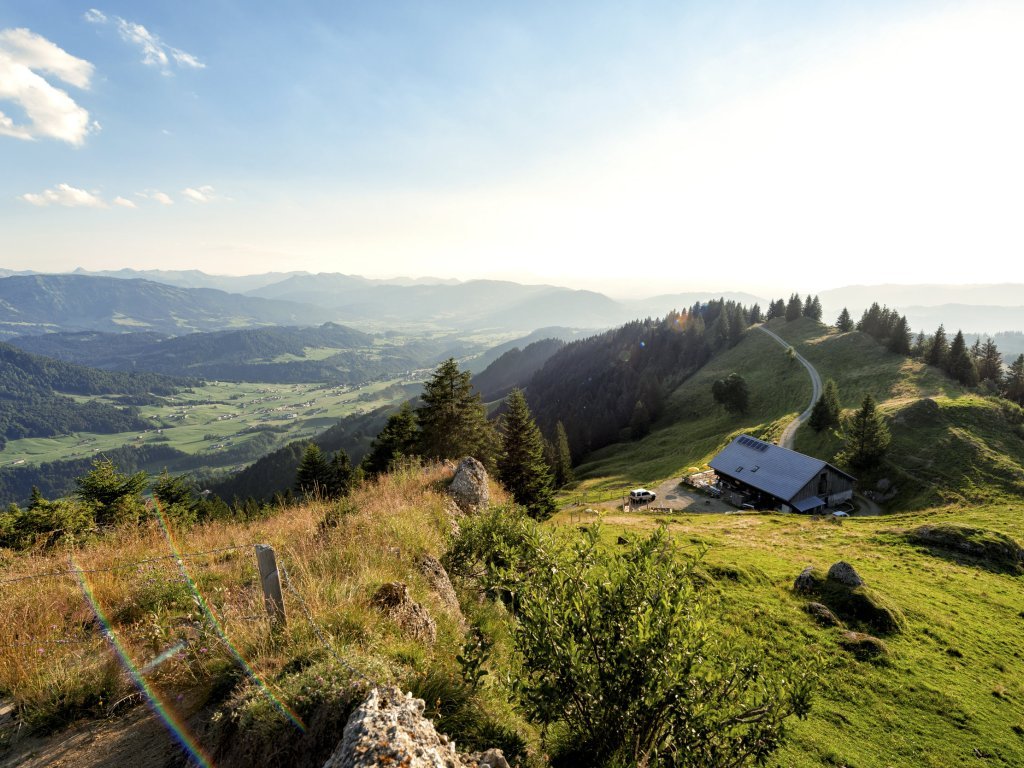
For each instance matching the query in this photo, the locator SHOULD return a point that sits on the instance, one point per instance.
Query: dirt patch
(137, 739)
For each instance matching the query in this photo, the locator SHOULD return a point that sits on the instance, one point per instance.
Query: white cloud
(203, 194)
(124, 202)
(155, 52)
(65, 195)
(155, 194)
(51, 112)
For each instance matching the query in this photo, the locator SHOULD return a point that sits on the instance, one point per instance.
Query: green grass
(694, 427)
(210, 419)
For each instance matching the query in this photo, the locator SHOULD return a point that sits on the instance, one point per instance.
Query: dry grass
(56, 663)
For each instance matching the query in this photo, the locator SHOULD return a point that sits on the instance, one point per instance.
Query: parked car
(641, 496)
(840, 513)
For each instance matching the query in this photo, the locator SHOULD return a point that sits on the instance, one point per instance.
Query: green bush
(624, 655)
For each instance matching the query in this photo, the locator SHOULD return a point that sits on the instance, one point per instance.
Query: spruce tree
(563, 457)
(899, 340)
(867, 436)
(1015, 381)
(313, 477)
(755, 314)
(732, 393)
(521, 465)
(825, 413)
(396, 440)
(959, 364)
(114, 497)
(939, 349)
(795, 308)
(341, 475)
(844, 322)
(990, 363)
(452, 419)
(920, 344)
(812, 308)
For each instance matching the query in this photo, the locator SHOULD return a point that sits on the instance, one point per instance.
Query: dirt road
(789, 433)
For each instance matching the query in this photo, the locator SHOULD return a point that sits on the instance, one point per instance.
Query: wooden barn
(769, 476)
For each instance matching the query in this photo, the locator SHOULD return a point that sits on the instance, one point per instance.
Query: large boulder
(469, 486)
(807, 582)
(389, 729)
(394, 601)
(844, 573)
(821, 614)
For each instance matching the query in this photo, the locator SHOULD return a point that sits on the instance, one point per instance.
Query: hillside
(42, 303)
(34, 402)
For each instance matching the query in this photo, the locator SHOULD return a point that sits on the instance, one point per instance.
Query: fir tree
(959, 364)
(341, 476)
(867, 436)
(452, 419)
(990, 363)
(563, 457)
(919, 346)
(114, 496)
(396, 440)
(844, 322)
(521, 465)
(755, 314)
(899, 339)
(938, 351)
(825, 413)
(795, 308)
(313, 477)
(812, 308)
(1015, 381)
(171, 490)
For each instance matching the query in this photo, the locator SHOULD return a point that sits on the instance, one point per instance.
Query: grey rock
(438, 579)
(469, 486)
(394, 601)
(389, 729)
(844, 573)
(806, 582)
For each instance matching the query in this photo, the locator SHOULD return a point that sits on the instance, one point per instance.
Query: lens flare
(170, 719)
(200, 601)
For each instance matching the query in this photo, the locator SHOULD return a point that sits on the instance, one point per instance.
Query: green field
(219, 416)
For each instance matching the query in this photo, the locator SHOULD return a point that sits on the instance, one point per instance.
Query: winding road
(789, 433)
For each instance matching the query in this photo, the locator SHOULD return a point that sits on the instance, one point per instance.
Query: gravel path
(789, 433)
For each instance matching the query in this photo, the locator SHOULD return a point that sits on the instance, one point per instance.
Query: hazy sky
(790, 145)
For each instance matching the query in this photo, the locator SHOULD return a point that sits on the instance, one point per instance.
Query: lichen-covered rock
(438, 579)
(388, 729)
(844, 573)
(807, 582)
(394, 601)
(469, 486)
(821, 614)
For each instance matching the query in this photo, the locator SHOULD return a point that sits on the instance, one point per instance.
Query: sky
(633, 148)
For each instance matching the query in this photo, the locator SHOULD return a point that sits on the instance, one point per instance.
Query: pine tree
(826, 411)
(452, 419)
(919, 346)
(171, 490)
(812, 308)
(313, 477)
(939, 349)
(1015, 381)
(115, 497)
(844, 323)
(396, 440)
(867, 436)
(990, 363)
(341, 476)
(795, 308)
(959, 364)
(755, 314)
(563, 457)
(899, 340)
(521, 465)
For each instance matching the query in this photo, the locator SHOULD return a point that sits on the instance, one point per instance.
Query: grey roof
(810, 503)
(767, 467)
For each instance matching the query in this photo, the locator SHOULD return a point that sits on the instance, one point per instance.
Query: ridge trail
(789, 433)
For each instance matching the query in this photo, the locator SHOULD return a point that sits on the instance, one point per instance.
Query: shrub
(635, 671)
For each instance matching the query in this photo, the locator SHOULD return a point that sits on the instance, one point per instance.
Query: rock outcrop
(844, 593)
(469, 486)
(821, 614)
(389, 729)
(807, 582)
(394, 601)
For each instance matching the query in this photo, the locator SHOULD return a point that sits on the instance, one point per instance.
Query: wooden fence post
(270, 579)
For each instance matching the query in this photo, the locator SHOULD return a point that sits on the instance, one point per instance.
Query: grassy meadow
(211, 419)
